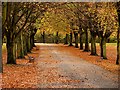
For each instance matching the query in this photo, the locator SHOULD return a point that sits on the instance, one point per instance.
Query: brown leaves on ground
(49, 72)
(53, 79)
(109, 64)
(26, 75)
(22, 75)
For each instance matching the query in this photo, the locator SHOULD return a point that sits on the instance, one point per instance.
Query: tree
(75, 30)
(82, 17)
(16, 18)
(93, 27)
(1, 69)
(106, 23)
(118, 34)
(14, 12)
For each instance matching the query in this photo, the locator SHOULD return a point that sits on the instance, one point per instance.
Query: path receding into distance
(59, 68)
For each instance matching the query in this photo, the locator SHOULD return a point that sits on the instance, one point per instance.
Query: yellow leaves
(75, 27)
(107, 18)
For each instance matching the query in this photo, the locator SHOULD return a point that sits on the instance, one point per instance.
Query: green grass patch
(4, 47)
(108, 44)
(111, 44)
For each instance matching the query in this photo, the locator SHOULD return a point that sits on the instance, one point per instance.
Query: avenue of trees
(79, 22)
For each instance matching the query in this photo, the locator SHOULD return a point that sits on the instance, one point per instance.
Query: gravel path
(59, 68)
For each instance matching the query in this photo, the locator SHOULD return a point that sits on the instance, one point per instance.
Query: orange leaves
(19, 76)
(22, 75)
(46, 72)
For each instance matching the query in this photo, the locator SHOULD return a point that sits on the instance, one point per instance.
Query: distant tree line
(75, 20)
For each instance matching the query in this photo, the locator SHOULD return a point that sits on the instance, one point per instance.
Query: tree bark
(66, 39)
(118, 35)
(86, 41)
(76, 39)
(32, 43)
(81, 40)
(24, 45)
(43, 36)
(11, 51)
(70, 44)
(118, 47)
(28, 44)
(93, 43)
(103, 48)
(57, 38)
(20, 51)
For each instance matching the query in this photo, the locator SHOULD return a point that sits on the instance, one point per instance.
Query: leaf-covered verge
(26, 75)
(22, 75)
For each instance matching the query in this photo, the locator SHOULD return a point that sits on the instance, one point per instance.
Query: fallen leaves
(108, 64)
(22, 75)
(44, 73)
(53, 79)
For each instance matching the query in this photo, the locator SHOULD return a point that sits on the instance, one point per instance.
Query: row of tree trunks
(19, 47)
(25, 44)
(93, 43)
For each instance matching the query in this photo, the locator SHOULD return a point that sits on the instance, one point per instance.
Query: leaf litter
(28, 75)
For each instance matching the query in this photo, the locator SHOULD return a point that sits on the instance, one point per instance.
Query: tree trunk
(28, 44)
(93, 43)
(11, 51)
(118, 35)
(32, 44)
(103, 48)
(1, 43)
(24, 45)
(43, 36)
(118, 47)
(76, 39)
(70, 44)
(81, 41)
(20, 52)
(66, 39)
(57, 41)
(4, 16)
(86, 41)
